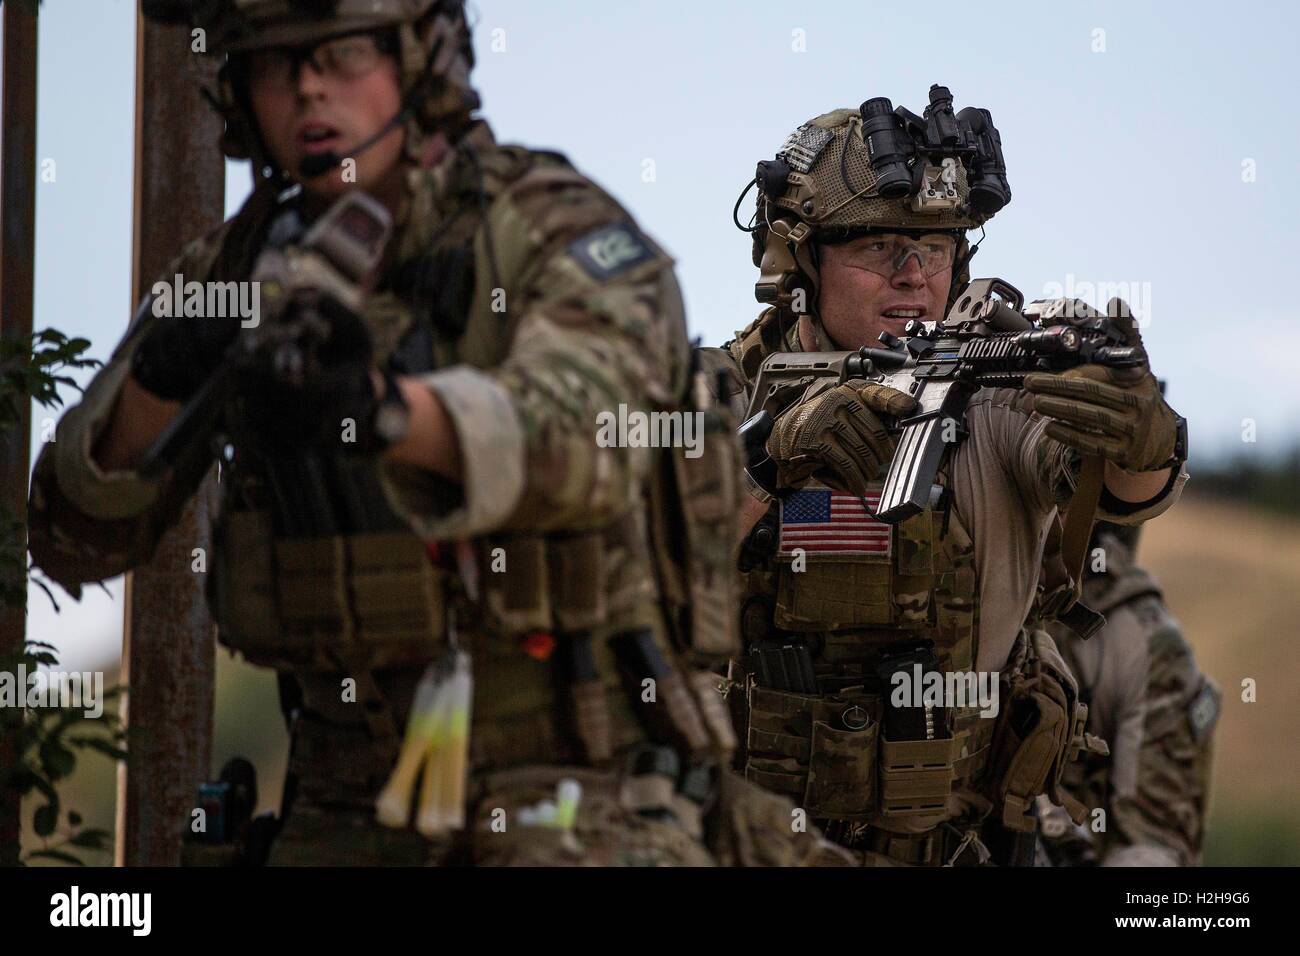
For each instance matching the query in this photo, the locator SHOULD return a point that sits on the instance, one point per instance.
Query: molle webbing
(926, 588)
(328, 603)
(800, 745)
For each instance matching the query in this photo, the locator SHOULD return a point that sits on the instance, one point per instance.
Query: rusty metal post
(17, 254)
(168, 654)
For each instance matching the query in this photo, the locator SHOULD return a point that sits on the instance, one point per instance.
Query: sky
(1149, 147)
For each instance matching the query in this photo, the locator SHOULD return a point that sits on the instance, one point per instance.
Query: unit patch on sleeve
(611, 250)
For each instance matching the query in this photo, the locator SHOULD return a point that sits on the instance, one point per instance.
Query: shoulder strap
(1079, 518)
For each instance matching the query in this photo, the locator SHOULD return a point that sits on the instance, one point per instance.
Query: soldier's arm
(1159, 799)
(597, 324)
(1046, 471)
(137, 419)
(91, 516)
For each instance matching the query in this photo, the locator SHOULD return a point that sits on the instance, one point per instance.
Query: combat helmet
(853, 171)
(433, 52)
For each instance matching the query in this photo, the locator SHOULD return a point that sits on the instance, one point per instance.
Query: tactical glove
(179, 353)
(1117, 413)
(837, 436)
(307, 384)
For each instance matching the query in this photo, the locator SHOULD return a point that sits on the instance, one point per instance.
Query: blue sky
(1126, 163)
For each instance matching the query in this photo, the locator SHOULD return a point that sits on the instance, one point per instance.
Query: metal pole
(17, 253)
(168, 654)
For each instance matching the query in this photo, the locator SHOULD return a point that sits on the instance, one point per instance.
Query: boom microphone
(313, 166)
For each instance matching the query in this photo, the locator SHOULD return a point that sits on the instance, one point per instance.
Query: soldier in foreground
(845, 615)
(485, 611)
(1154, 707)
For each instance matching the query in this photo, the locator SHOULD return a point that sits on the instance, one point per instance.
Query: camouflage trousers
(747, 827)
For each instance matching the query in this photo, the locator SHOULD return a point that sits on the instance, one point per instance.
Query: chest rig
(831, 597)
(556, 640)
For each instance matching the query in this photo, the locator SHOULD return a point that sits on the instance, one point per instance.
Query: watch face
(390, 422)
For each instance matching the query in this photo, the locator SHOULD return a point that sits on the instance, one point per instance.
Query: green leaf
(57, 760)
(22, 779)
(46, 819)
(43, 785)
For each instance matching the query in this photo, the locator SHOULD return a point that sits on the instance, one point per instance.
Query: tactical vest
(918, 583)
(375, 602)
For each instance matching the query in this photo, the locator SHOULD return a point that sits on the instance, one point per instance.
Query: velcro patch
(803, 146)
(611, 250)
(825, 523)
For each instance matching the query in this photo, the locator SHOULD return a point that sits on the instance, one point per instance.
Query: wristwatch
(392, 416)
(1179, 457)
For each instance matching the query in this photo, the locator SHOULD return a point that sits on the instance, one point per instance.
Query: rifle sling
(1079, 518)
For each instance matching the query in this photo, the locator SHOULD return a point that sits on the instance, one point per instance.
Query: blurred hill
(1231, 575)
(1269, 483)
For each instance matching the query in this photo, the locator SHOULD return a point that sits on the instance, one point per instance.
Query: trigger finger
(886, 400)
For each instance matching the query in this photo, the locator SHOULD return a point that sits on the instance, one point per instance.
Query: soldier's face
(332, 101)
(856, 303)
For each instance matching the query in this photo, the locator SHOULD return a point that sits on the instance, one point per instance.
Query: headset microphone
(313, 166)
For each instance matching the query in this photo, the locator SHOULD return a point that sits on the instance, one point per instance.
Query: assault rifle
(988, 338)
(331, 264)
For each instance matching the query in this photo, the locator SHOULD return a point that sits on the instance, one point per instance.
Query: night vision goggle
(918, 156)
(897, 138)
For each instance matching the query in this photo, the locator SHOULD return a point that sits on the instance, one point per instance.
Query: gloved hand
(1117, 413)
(837, 436)
(305, 377)
(179, 353)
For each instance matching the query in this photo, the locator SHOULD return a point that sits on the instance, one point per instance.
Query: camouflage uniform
(1156, 709)
(962, 574)
(579, 526)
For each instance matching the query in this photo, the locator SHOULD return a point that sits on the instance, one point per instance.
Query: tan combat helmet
(852, 171)
(433, 50)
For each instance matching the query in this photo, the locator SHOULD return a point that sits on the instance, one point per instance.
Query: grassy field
(1231, 575)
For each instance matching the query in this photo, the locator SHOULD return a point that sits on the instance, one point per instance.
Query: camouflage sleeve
(86, 524)
(598, 334)
(1159, 786)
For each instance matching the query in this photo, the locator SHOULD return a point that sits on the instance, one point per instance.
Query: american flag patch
(830, 522)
